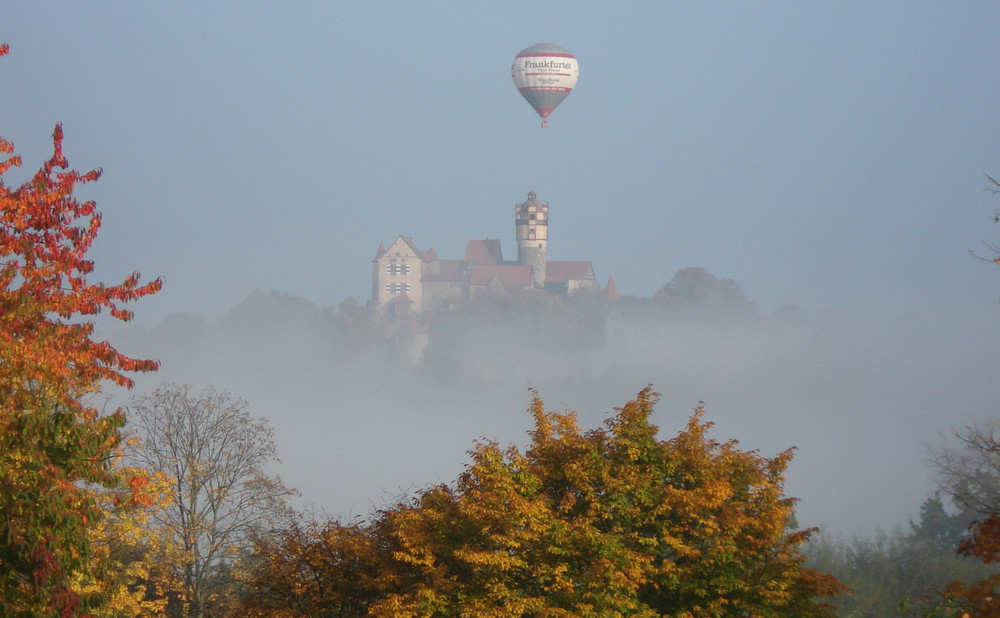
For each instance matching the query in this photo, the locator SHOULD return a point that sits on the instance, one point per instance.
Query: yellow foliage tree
(609, 522)
(135, 554)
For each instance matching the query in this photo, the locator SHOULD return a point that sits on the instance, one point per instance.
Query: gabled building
(406, 280)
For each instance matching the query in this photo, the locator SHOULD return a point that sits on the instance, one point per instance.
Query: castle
(407, 280)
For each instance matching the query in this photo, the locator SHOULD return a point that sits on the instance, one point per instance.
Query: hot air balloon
(544, 75)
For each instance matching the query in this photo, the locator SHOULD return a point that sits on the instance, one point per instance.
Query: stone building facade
(406, 280)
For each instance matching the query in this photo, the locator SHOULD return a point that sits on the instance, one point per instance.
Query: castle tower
(532, 223)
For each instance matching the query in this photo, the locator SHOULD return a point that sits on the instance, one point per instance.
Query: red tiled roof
(484, 252)
(560, 272)
(451, 270)
(514, 276)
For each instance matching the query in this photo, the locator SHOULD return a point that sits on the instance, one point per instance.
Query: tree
(610, 522)
(969, 471)
(316, 569)
(981, 598)
(52, 443)
(899, 573)
(135, 557)
(697, 289)
(213, 451)
(993, 186)
(968, 467)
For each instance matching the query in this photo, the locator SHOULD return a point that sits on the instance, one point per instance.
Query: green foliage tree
(609, 522)
(697, 290)
(52, 442)
(899, 573)
(212, 451)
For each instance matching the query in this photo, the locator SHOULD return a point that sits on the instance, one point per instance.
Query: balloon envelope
(544, 75)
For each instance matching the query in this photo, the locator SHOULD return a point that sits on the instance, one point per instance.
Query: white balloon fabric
(544, 74)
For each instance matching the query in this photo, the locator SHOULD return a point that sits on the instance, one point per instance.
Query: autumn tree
(316, 569)
(213, 452)
(52, 442)
(968, 468)
(609, 522)
(138, 580)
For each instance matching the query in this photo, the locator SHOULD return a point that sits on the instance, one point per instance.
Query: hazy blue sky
(828, 155)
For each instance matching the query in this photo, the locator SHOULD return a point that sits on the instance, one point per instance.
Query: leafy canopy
(609, 522)
(50, 440)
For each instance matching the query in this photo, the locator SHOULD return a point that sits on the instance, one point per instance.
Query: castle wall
(436, 293)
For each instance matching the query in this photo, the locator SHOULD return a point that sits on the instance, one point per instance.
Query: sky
(829, 155)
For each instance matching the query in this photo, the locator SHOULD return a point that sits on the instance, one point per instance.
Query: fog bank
(356, 424)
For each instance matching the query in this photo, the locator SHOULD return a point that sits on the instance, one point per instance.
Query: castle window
(395, 268)
(397, 288)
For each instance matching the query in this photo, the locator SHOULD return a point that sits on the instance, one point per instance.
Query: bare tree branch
(215, 451)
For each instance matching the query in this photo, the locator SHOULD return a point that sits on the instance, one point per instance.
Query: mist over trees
(858, 398)
(613, 520)
(903, 571)
(838, 387)
(700, 293)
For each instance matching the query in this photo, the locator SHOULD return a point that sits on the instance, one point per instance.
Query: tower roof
(611, 290)
(531, 201)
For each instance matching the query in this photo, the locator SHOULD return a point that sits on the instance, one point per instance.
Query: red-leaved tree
(52, 443)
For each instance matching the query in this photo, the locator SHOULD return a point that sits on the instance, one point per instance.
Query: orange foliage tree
(51, 441)
(313, 569)
(981, 598)
(610, 522)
